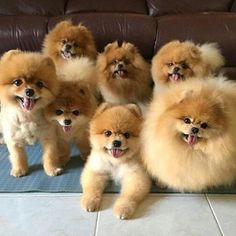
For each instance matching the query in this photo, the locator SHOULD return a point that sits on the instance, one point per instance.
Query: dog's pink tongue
(175, 77)
(116, 152)
(192, 139)
(28, 103)
(121, 73)
(66, 128)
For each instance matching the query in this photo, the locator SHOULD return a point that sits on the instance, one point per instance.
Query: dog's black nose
(194, 130)
(176, 69)
(29, 92)
(67, 122)
(120, 66)
(116, 143)
(68, 47)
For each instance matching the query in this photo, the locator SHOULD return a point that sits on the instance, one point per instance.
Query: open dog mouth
(67, 128)
(27, 103)
(175, 77)
(120, 73)
(191, 139)
(67, 55)
(116, 152)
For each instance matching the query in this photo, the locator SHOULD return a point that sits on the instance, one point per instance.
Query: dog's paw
(19, 172)
(124, 210)
(53, 171)
(90, 203)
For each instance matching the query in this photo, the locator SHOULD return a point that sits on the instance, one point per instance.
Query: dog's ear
(8, 55)
(63, 25)
(184, 95)
(135, 109)
(130, 47)
(48, 62)
(104, 106)
(111, 46)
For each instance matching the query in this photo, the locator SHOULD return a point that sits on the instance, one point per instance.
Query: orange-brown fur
(22, 125)
(211, 159)
(103, 164)
(191, 59)
(135, 86)
(77, 35)
(72, 97)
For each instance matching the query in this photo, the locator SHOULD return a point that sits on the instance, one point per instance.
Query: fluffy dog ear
(104, 106)
(130, 47)
(7, 55)
(184, 95)
(63, 24)
(111, 46)
(134, 109)
(47, 62)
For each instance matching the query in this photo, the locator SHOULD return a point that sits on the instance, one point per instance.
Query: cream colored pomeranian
(123, 75)
(115, 154)
(70, 113)
(28, 82)
(66, 41)
(189, 136)
(177, 61)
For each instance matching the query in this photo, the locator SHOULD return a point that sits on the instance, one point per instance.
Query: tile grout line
(214, 215)
(96, 224)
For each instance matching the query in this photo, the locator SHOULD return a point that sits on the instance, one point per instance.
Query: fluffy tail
(212, 56)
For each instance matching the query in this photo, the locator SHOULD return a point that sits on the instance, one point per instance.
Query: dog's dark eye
(114, 62)
(204, 125)
(184, 66)
(17, 82)
(170, 64)
(39, 84)
(76, 45)
(76, 112)
(187, 121)
(126, 61)
(127, 135)
(63, 41)
(108, 133)
(59, 112)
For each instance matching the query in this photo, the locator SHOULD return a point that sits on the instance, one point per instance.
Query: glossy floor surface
(48, 214)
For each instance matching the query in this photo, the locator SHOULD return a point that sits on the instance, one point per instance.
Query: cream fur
(175, 163)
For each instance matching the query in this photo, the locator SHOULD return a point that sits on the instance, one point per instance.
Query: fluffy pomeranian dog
(70, 113)
(115, 154)
(123, 75)
(67, 41)
(28, 82)
(177, 61)
(189, 135)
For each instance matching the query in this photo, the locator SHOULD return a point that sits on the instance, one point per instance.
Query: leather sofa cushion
(162, 7)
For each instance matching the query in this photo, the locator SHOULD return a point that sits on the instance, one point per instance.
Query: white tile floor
(160, 214)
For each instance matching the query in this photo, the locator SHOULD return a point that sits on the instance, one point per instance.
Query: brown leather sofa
(147, 23)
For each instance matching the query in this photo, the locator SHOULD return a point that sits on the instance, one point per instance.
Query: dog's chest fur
(22, 127)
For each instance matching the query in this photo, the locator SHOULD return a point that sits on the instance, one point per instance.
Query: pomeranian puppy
(67, 41)
(189, 135)
(123, 75)
(28, 82)
(177, 61)
(70, 113)
(115, 154)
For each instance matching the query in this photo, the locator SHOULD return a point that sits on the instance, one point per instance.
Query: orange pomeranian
(123, 75)
(189, 135)
(177, 61)
(70, 113)
(28, 83)
(67, 41)
(115, 154)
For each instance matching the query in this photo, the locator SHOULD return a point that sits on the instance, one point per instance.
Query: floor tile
(224, 208)
(161, 215)
(49, 215)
